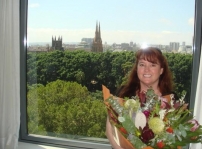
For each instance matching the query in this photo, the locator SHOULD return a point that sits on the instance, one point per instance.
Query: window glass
(75, 47)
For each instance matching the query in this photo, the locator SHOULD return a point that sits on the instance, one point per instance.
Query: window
(73, 47)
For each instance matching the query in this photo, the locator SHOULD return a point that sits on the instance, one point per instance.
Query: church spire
(96, 31)
(99, 31)
(97, 42)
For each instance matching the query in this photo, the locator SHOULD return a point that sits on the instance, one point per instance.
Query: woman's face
(149, 73)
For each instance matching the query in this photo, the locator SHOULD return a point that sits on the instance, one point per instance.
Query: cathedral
(97, 41)
(57, 44)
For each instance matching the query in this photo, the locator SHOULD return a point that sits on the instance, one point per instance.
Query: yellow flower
(137, 132)
(156, 125)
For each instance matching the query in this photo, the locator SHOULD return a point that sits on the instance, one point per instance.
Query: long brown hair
(153, 55)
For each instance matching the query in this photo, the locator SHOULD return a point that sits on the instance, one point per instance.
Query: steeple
(99, 31)
(97, 42)
(96, 31)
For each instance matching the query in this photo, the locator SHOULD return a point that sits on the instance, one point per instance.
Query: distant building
(83, 45)
(97, 42)
(174, 46)
(57, 43)
(185, 49)
(87, 40)
(38, 48)
(183, 44)
(161, 47)
(125, 45)
(131, 44)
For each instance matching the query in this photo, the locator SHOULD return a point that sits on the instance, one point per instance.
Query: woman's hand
(117, 147)
(110, 136)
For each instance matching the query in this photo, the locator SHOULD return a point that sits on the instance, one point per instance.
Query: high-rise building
(174, 46)
(97, 41)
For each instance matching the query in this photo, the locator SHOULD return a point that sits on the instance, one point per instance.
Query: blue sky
(140, 21)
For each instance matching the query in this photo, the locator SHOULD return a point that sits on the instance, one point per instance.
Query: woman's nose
(147, 68)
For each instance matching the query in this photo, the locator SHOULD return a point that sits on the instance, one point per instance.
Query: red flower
(146, 113)
(123, 130)
(146, 134)
(160, 144)
(169, 129)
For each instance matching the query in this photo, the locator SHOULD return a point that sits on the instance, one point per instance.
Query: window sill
(23, 145)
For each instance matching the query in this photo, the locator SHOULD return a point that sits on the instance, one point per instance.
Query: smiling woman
(62, 89)
(150, 67)
(148, 73)
(150, 70)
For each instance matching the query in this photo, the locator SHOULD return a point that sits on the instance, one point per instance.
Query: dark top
(134, 93)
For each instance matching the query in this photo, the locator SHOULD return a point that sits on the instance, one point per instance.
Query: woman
(150, 70)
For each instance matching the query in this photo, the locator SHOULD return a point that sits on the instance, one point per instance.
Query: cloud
(45, 34)
(163, 38)
(34, 5)
(118, 36)
(191, 21)
(166, 32)
(165, 21)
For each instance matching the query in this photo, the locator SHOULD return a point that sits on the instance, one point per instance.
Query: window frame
(197, 43)
(25, 137)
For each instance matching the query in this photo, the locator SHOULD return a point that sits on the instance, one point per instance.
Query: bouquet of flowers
(159, 123)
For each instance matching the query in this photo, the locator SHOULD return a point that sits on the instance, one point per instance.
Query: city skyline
(156, 22)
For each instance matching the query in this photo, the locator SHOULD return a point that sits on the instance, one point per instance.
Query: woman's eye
(141, 64)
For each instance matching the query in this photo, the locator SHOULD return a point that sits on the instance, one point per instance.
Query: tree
(108, 68)
(66, 108)
(181, 67)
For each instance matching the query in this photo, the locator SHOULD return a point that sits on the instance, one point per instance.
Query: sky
(121, 21)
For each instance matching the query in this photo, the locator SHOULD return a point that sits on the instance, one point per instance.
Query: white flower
(140, 120)
(171, 110)
(172, 103)
(162, 113)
